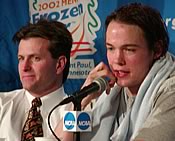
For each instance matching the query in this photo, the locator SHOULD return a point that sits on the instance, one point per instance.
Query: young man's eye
(36, 58)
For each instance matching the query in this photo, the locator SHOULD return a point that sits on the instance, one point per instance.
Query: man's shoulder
(13, 92)
(6, 96)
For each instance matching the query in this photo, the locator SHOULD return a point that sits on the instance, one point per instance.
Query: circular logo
(83, 121)
(69, 121)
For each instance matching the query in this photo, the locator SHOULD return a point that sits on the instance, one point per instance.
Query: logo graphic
(84, 121)
(81, 20)
(69, 121)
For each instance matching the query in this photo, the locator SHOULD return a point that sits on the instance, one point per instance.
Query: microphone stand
(77, 107)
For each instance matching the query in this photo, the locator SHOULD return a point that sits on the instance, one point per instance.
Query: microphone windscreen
(102, 83)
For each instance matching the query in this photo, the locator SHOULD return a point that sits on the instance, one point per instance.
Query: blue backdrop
(15, 13)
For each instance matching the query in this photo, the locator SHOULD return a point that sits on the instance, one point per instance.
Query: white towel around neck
(135, 118)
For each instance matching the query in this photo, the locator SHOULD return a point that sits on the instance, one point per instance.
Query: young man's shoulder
(169, 83)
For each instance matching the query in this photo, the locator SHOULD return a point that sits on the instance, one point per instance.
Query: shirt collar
(50, 100)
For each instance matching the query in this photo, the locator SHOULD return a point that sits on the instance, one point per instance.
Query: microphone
(98, 85)
(80, 121)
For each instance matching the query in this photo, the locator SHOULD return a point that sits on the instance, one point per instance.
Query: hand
(101, 70)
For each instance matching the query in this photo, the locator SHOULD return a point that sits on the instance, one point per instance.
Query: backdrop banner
(13, 14)
(84, 19)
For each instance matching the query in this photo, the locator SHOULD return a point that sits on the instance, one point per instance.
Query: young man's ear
(61, 63)
(158, 50)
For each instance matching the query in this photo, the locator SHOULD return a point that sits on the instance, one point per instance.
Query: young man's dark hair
(148, 19)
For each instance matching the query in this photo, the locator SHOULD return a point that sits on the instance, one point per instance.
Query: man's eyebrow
(109, 44)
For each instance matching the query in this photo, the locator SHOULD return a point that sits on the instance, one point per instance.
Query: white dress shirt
(14, 107)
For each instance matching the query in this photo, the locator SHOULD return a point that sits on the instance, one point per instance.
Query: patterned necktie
(33, 125)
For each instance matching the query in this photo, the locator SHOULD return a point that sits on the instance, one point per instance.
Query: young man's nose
(119, 57)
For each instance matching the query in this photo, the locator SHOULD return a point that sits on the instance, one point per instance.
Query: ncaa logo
(69, 121)
(84, 121)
